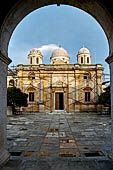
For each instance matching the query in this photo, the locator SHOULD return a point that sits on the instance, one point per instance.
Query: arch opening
(99, 14)
(91, 45)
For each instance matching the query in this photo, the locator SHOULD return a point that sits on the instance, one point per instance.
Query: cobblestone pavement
(59, 141)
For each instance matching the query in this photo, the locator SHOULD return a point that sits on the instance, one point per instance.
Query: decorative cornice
(5, 59)
(109, 59)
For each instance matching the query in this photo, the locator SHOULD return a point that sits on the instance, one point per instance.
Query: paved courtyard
(59, 141)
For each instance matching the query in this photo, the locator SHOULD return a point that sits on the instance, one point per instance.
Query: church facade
(59, 85)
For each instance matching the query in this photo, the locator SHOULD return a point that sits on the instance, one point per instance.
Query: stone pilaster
(109, 60)
(41, 90)
(41, 99)
(4, 155)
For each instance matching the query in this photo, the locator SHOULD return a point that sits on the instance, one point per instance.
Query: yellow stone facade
(60, 85)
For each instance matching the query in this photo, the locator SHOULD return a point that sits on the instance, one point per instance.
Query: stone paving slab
(59, 141)
(58, 165)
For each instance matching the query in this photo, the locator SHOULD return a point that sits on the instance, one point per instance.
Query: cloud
(48, 48)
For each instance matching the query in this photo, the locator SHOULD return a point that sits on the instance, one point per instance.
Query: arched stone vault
(12, 12)
(22, 8)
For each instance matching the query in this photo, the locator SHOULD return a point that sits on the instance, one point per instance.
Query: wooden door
(59, 101)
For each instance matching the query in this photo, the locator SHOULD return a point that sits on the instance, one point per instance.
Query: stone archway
(10, 19)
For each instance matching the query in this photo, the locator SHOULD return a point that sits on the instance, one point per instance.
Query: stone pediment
(87, 89)
(59, 84)
(30, 88)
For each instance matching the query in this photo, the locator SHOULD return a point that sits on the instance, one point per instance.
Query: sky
(48, 27)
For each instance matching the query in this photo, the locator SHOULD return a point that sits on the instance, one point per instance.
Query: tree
(105, 98)
(15, 97)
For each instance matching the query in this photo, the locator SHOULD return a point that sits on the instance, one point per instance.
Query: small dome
(84, 56)
(83, 51)
(35, 51)
(35, 57)
(60, 52)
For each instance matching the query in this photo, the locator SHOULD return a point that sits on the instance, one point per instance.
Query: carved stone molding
(5, 59)
(109, 59)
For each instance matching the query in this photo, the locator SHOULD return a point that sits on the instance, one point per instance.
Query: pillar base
(41, 106)
(4, 157)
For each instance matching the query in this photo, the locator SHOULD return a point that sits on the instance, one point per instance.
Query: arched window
(81, 60)
(31, 75)
(11, 82)
(31, 60)
(87, 59)
(85, 76)
(37, 60)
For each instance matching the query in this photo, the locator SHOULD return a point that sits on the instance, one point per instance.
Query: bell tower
(35, 57)
(84, 56)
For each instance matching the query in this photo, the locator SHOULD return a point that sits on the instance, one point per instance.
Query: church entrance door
(59, 101)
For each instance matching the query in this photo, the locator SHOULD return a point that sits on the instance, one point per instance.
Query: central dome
(60, 56)
(60, 52)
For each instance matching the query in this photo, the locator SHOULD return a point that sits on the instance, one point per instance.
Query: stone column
(98, 86)
(76, 88)
(41, 99)
(109, 60)
(41, 91)
(4, 155)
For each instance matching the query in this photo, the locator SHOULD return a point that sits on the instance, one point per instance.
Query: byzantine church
(59, 86)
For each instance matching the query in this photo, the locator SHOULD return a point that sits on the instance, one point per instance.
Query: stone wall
(4, 155)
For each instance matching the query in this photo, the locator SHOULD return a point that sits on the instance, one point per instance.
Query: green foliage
(105, 98)
(15, 97)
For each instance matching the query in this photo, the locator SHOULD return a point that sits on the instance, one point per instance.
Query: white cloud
(48, 48)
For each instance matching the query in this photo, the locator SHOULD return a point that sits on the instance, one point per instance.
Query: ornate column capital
(109, 59)
(5, 59)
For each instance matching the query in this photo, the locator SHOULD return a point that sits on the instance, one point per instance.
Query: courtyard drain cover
(67, 141)
(53, 130)
(76, 122)
(44, 153)
(61, 123)
(69, 154)
(15, 153)
(52, 133)
(30, 153)
(94, 154)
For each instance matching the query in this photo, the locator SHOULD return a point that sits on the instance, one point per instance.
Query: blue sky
(51, 26)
